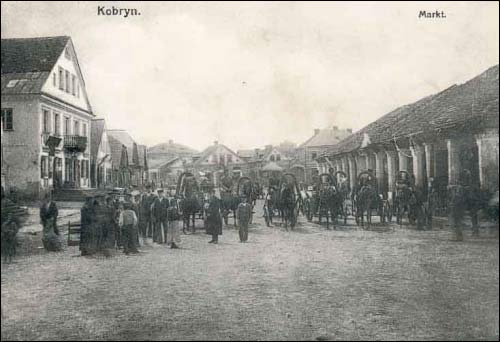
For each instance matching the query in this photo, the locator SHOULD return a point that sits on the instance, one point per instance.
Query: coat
(159, 209)
(48, 212)
(244, 212)
(214, 219)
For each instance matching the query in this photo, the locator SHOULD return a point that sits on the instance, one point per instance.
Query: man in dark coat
(244, 215)
(145, 214)
(214, 220)
(48, 217)
(86, 235)
(159, 210)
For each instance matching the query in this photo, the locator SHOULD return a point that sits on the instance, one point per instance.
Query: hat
(160, 191)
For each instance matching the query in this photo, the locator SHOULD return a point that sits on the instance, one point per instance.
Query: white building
(46, 115)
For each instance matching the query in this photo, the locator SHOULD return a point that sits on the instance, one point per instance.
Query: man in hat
(48, 216)
(214, 219)
(226, 182)
(243, 214)
(173, 237)
(159, 211)
(145, 203)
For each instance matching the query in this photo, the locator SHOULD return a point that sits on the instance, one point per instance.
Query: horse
(367, 199)
(229, 203)
(286, 205)
(405, 201)
(330, 204)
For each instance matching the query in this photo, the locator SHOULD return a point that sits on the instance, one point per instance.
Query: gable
(219, 154)
(65, 81)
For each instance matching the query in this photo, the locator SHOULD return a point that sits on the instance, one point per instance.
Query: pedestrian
(173, 216)
(48, 217)
(159, 210)
(9, 237)
(244, 214)
(86, 233)
(145, 226)
(116, 227)
(214, 219)
(128, 224)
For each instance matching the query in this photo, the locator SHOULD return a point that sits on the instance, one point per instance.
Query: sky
(251, 74)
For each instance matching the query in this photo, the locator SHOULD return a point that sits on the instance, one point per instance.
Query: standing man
(226, 182)
(48, 216)
(128, 224)
(159, 210)
(86, 235)
(214, 220)
(173, 236)
(244, 213)
(145, 214)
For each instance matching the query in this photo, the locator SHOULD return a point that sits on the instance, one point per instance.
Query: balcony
(75, 143)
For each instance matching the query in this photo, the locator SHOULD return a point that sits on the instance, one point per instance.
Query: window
(229, 158)
(66, 80)
(54, 80)
(7, 122)
(278, 157)
(73, 82)
(77, 90)
(76, 131)
(61, 78)
(46, 120)
(314, 155)
(66, 126)
(67, 54)
(271, 158)
(84, 129)
(44, 167)
(57, 124)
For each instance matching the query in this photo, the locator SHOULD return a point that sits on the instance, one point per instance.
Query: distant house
(304, 163)
(46, 116)
(217, 158)
(129, 159)
(101, 168)
(166, 174)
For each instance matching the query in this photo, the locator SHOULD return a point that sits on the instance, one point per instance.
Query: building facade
(435, 138)
(304, 165)
(101, 162)
(46, 116)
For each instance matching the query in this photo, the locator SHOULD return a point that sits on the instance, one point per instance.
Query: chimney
(216, 142)
(349, 130)
(316, 131)
(335, 128)
(170, 141)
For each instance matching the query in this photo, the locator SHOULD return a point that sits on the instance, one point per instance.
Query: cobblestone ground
(386, 283)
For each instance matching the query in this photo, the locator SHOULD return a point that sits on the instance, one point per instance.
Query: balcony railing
(75, 143)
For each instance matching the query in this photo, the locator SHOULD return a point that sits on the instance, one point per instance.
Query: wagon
(367, 199)
(284, 202)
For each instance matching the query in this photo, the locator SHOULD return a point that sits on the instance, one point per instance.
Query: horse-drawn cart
(367, 199)
(284, 201)
(190, 201)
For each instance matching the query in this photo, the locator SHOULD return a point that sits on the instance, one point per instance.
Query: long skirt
(50, 239)
(173, 233)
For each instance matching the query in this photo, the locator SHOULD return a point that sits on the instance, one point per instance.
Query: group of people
(121, 221)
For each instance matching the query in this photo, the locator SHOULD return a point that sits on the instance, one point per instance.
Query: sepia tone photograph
(312, 171)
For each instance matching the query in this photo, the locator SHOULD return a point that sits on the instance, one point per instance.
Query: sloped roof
(116, 152)
(97, 127)
(119, 137)
(24, 83)
(325, 137)
(246, 153)
(272, 166)
(27, 62)
(475, 101)
(209, 150)
(171, 148)
(23, 55)
(158, 163)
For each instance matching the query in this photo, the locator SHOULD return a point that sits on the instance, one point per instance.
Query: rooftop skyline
(252, 74)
